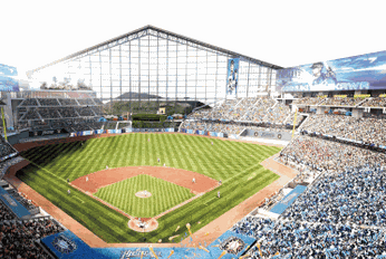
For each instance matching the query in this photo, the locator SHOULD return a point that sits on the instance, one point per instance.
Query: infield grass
(164, 195)
(232, 162)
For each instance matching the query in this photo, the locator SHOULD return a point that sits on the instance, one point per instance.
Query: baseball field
(236, 164)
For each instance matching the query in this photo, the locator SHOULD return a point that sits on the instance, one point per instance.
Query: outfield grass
(164, 195)
(232, 162)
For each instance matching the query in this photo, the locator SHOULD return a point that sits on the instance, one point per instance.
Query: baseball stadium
(156, 145)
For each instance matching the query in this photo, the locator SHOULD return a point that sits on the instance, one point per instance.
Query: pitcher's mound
(143, 194)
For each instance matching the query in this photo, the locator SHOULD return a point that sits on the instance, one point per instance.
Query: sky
(283, 33)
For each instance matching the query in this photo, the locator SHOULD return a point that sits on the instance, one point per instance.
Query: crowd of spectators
(298, 239)
(243, 107)
(257, 112)
(57, 108)
(291, 119)
(5, 213)
(97, 101)
(61, 102)
(308, 101)
(257, 109)
(48, 102)
(4, 165)
(375, 102)
(20, 239)
(367, 130)
(67, 112)
(97, 110)
(47, 113)
(341, 101)
(235, 113)
(56, 117)
(277, 114)
(329, 155)
(87, 101)
(85, 111)
(29, 102)
(200, 114)
(356, 195)
(30, 114)
(70, 124)
(226, 111)
(340, 215)
(22, 125)
(68, 102)
(5, 148)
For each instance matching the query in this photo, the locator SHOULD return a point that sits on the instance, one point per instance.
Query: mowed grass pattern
(164, 195)
(237, 164)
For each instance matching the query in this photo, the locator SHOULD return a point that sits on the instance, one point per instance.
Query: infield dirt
(177, 176)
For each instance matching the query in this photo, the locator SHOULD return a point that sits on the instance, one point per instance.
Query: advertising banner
(232, 76)
(288, 199)
(66, 245)
(364, 72)
(100, 131)
(13, 204)
(213, 134)
(87, 133)
(8, 80)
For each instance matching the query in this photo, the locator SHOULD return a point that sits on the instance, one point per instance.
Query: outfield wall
(206, 133)
(279, 135)
(16, 167)
(14, 138)
(250, 133)
(79, 136)
(85, 135)
(28, 145)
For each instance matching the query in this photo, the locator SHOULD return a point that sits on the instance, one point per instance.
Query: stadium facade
(152, 64)
(150, 68)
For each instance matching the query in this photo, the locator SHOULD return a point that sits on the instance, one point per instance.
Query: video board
(364, 72)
